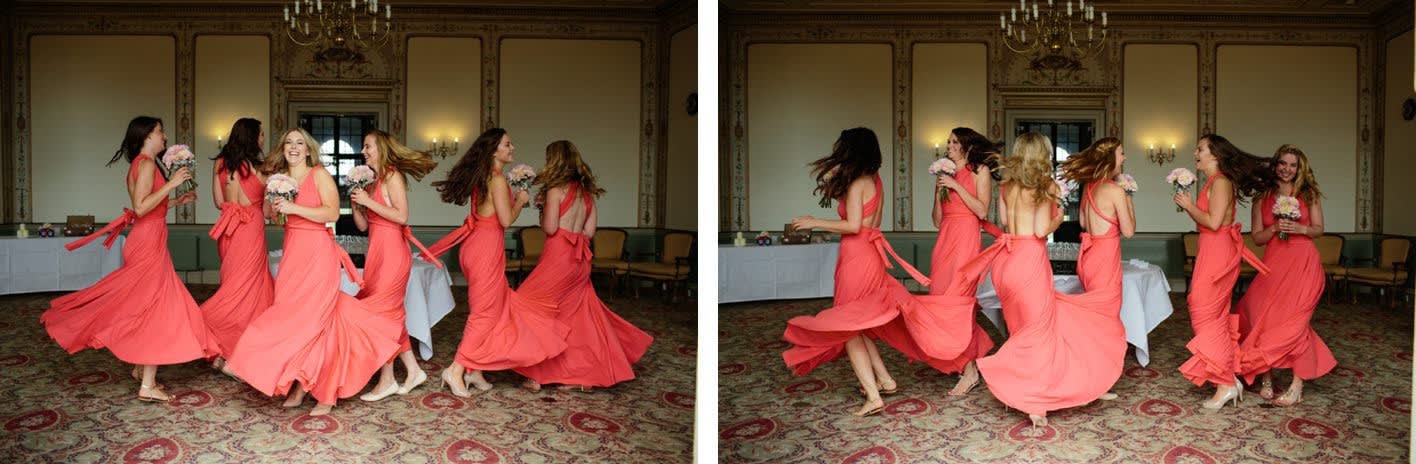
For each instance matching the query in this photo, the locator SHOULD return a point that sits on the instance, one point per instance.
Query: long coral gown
(386, 267)
(246, 286)
(1064, 350)
(1274, 313)
(503, 330)
(141, 312)
(602, 348)
(1215, 345)
(313, 333)
(958, 242)
(935, 329)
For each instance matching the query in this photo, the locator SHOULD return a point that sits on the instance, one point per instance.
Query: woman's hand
(180, 176)
(947, 182)
(281, 206)
(1292, 228)
(359, 197)
(185, 198)
(1183, 200)
(804, 222)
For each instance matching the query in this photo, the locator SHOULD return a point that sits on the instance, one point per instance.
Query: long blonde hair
(404, 160)
(1030, 166)
(564, 166)
(275, 160)
(1095, 163)
(1305, 184)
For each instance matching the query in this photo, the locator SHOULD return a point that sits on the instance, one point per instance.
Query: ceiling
(509, 4)
(1264, 7)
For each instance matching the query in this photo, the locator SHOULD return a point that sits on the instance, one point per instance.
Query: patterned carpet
(81, 408)
(1358, 413)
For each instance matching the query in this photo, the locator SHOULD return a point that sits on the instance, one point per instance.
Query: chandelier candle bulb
(1002, 22)
(1013, 14)
(1034, 11)
(1024, 4)
(1103, 19)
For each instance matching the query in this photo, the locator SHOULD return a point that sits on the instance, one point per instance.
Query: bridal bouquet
(1180, 179)
(281, 186)
(360, 178)
(1128, 184)
(1286, 207)
(178, 157)
(520, 176)
(940, 168)
(1065, 187)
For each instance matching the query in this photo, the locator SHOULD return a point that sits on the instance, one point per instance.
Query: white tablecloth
(428, 299)
(776, 272)
(1145, 302)
(43, 265)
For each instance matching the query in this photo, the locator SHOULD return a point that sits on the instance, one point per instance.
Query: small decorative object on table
(23, 232)
(78, 226)
(46, 230)
(793, 236)
(764, 239)
(739, 241)
(818, 238)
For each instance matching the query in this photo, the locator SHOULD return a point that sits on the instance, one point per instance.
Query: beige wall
(950, 83)
(84, 90)
(444, 101)
(1307, 96)
(232, 82)
(1160, 96)
(800, 97)
(681, 202)
(585, 91)
(1400, 149)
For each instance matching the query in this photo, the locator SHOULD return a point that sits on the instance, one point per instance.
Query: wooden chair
(1192, 249)
(672, 268)
(1330, 254)
(1390, 271)
(530, 241)
(608, 246)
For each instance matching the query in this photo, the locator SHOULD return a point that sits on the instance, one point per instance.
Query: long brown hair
(469, 176)
(1250, 174)
(565, 166)
(1305, 185)
(979, 151)
(404, 160)
(1030, 166)
(243, 148)
(1096, 163)
(275, 160)
(856, 153)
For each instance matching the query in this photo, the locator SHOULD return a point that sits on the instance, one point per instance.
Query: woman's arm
(1315, 227)
(1260, 233)
(140, 189)
(1221, 195)
(550, 211)
(328, 211)
(218, 185)
(507, 207)
(855, 211)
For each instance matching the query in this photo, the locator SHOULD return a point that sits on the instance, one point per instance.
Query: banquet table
(428, 299)
(1145, 302)
(776, 272)
(38, 264)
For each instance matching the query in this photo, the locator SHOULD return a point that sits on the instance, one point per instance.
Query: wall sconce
(936, 151)
(443, 150)
(219, 144)
(1159, 155)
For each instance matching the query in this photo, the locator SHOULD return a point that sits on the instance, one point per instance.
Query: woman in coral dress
(503, 330)
(1233, 174)
(141, 312)
(959, 218)
(1274, 314)
(383, 212)
(1107, 215)
(238, 188)
(602, 348)
(869, 303)
(1064, 350)
(314, 334)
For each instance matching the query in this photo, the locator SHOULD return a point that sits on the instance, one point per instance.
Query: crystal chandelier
(1058, 38)
(341, 31)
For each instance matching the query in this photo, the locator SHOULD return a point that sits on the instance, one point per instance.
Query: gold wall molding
(297, 72)
(1012, 85)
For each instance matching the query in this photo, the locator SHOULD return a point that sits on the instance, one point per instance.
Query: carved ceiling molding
(295, 68)
(1011, 84)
